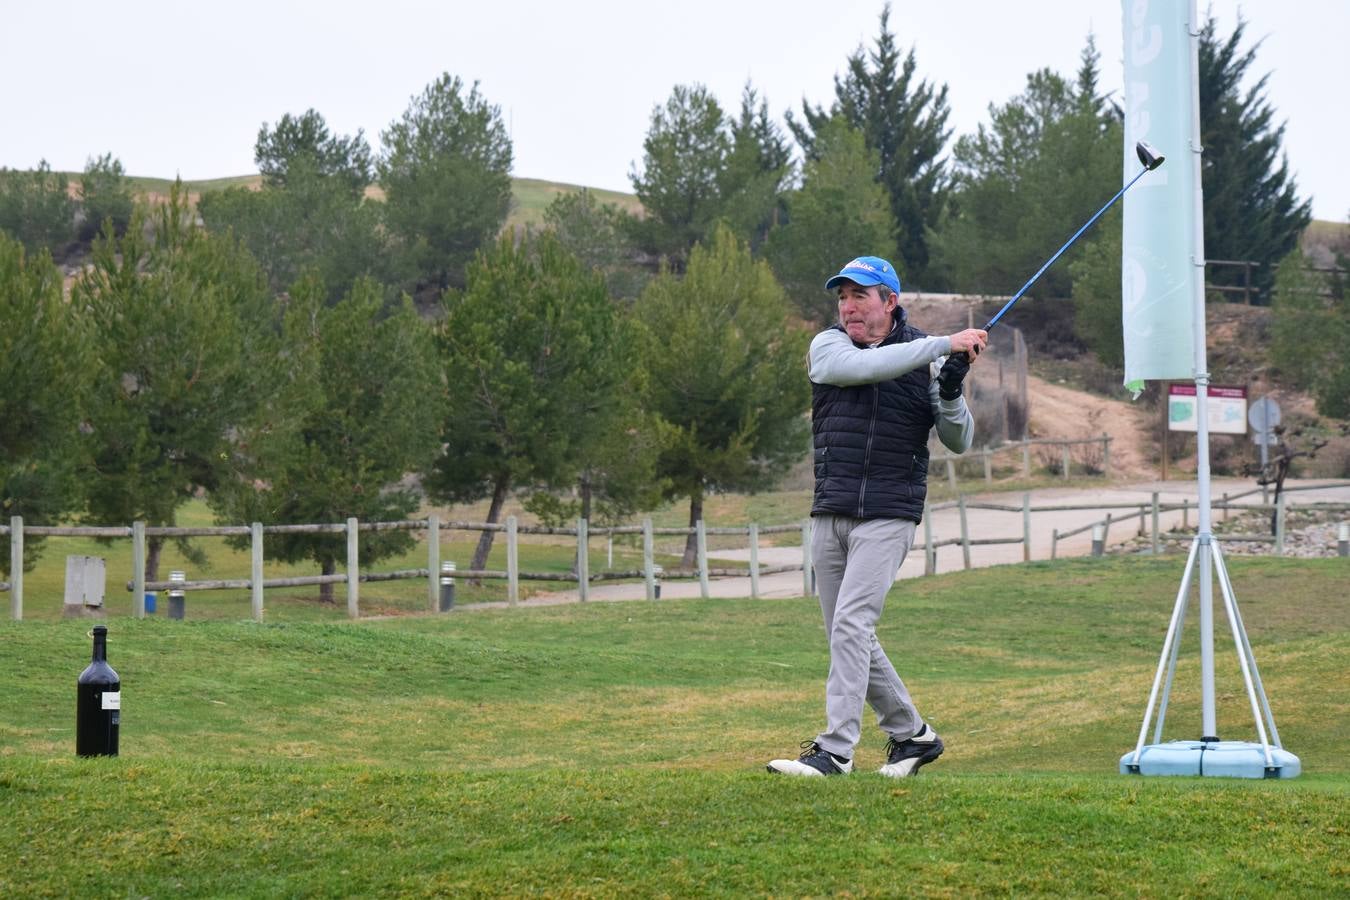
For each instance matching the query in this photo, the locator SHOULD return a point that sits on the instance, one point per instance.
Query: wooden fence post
(138, 569)
(353, 569)
(988, 466)
(1026, 527)
(433, 562)
(1106, 454)
(1279, 524)
(256, 571)
(16, 567)
(512, 561)
(951, 474)
(1066, 461)
(1026, 458)
(965, 532)
(701, 538)
(929, 551)
(583, 561)
(1156, 548)
(806, 557)
(754, 561)
(648, 570)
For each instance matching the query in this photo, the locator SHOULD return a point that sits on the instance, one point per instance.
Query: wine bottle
(98, 709)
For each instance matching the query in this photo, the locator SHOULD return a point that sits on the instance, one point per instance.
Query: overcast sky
(182, 87)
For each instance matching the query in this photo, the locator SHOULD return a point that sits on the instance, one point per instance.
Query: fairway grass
(617, 749)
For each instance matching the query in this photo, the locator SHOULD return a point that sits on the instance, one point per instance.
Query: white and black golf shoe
(903, 758)
(815, 760)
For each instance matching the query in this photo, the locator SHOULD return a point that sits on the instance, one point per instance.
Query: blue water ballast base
(1220, 759)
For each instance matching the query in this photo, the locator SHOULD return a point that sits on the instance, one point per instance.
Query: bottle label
(112, 699)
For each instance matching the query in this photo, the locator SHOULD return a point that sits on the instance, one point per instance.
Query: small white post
(754, 561)
(1066, 461)
(1106, 454)
(256, 570)
(951, 473)
(447, 602)
(1054, 542)
(177, 597)
(1026, 458)
(1098, 539)
(1343, 539)
(988, 467)
(512, 562)
(353, 570)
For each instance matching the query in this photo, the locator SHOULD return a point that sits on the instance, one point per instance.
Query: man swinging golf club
(879, 386)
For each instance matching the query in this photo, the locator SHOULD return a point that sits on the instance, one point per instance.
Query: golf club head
(1148, 156)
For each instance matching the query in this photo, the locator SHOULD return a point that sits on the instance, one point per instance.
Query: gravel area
(1308, 534)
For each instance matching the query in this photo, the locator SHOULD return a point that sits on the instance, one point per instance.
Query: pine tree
(905, 122)
(1252, 209)
(723, 366)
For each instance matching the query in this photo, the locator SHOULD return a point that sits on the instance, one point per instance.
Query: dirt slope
(1061, 412)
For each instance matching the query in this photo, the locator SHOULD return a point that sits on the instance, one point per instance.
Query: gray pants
(856, 562)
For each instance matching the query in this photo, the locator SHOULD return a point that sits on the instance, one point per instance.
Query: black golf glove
(950, 376)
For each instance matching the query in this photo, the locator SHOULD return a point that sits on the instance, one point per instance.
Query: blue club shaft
(1007, 306)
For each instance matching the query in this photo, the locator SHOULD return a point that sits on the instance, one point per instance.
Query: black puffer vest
(871, 442)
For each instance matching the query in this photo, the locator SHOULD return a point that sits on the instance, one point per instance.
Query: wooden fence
(987, 454)
(256, 583)
(1224, 506)
(650, 573)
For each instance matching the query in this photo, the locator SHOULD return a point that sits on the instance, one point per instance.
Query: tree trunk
(327, 566)
(480, 554)
(691, 542)
(154, 546)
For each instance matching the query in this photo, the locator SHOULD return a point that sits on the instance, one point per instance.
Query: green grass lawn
(617, 749)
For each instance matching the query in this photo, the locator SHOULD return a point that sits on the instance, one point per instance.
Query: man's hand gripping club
(966, 346)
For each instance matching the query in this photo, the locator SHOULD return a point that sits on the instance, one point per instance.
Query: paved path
(982, 524)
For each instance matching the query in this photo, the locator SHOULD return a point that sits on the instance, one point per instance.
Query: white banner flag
(1162, 242)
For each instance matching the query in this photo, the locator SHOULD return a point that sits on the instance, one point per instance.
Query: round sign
(1264, 415)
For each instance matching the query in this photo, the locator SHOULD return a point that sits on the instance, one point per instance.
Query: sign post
(1263, 417)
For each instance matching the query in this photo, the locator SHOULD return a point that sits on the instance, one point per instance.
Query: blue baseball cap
(867, 271)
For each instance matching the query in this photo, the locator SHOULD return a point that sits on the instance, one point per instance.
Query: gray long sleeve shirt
(834, 359)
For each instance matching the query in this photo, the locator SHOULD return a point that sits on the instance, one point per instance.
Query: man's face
(862, 312)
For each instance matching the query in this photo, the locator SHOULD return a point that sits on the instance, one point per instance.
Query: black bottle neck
(100, 644)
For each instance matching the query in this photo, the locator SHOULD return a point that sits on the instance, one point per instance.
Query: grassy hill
(531, 195)
(618, 749)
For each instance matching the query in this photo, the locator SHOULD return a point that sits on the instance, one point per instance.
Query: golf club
(1151, 159)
